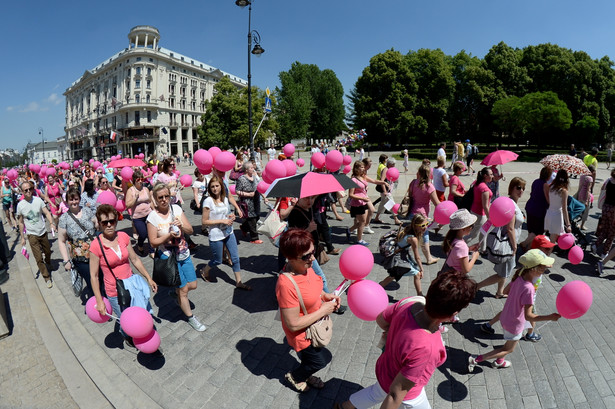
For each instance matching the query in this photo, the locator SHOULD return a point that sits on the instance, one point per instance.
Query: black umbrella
(309, 184)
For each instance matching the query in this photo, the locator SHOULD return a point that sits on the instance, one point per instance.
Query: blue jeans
(84, 271)
(141, 227)
(318, 271)
(115, 305)
(217, 250)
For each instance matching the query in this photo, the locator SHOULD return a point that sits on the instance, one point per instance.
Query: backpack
(388, 243)
(465, 202)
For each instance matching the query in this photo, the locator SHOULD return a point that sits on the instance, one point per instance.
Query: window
(128, 72)
(114, 92)
(126, 118)
(138, 58)
(148, 84)
(172, 102)
(147, 98)
(193, 106)
(137, 118)
(149, 70)
(137, 98)
(149, 116)
(137, 83)
(138, 69)
(172, 89)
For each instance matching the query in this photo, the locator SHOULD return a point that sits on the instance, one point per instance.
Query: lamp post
(40, 132)
(257, 50)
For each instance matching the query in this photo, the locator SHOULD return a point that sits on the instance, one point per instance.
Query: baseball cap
(534, 257)
(467, 140)
(542, 241)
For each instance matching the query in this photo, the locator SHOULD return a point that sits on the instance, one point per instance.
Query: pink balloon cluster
(138, 323)
(334, 160)
(107, 197)
(565, 241)
(318, 160)
(392, 174)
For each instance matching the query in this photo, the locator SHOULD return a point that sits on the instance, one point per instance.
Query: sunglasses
(110, 222)
(423, 224)
(519, 187)
(104, 183)
(308, 256)
(166, 197)
(27, 190)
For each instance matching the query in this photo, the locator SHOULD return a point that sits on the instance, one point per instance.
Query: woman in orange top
(298, 247)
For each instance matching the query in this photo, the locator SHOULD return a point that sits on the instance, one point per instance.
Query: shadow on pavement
(451, 389)
(254, 301)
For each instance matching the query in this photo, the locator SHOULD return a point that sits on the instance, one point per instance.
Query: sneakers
(363, 243)
(455, 319)
(129, 344)
(503, 364)
(347, 234)
(368, 230)
(49, 283)
(472, 363)
(486, 327)
(532, 336)
(600, 266)
(194, 323)
(442, 329)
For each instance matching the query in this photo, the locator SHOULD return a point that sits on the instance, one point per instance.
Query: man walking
(30, 211)
(442, 151)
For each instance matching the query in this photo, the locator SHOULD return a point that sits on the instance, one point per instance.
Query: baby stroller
(575, 211)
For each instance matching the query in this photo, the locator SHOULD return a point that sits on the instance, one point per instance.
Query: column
(146, 38)
(137, 41)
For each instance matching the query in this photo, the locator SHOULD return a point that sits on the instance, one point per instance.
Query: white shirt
(442, 152)
(201, 188)
(271, 153)
(437, 179)
(218, 211)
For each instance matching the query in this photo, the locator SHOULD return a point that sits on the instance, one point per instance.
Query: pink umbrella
(309, 184)
(120, 163)
(499, 157)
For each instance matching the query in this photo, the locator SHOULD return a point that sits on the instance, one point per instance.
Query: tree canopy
(310, 103)
(225, 121)
(426, 95)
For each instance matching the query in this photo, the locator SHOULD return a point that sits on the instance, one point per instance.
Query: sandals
(298, 386)
(499, 296)
(205, 273)
(334, 252)
(256, 242)
(242, 286)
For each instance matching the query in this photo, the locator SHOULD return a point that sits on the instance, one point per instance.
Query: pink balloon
(231, 188)
(148, 344)
(96, 165)
(266, 177)
(80, 161)
(318, 160)
(12, 174)
(574, 299)
(107, 197)
(34, 168)
(76, 164)
(575, 255)
(347, 169)
(186, 180)
(291, 168)
(300, 162)
(176, 173)
(51, 171)
(262, 187)
(275, 169)
(120, 206)
(214, 151)
(136, 322)
(392, 174)
(224, 161)
(347, 160)
(126, 173)
(356, 262)
(93, 314)
(155, 169)
(118, 156)
(395, 208)
(90, 161)
(203, 159)
(334, 160)
(442, 214)
(289, 150)
(367, 299)
(565, 241)
(205, 171)
(502, 211)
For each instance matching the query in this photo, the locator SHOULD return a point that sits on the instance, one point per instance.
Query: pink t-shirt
(120, 265)
(513, 314)
(410, 350)
(585, 182)
(459, 251)
(421, 198)
(461, 189)
(359, 191)
(477, 205)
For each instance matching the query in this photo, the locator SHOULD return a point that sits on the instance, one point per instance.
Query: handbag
(123, 295)
(166, 272)
(272, 226)
(406, 203)
(76, 282)
(320, 332)
(234, 175)
(498, 246)
(88, 233)
(321, 254)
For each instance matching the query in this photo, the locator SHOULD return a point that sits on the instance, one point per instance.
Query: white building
(47, 151)
(153, 98)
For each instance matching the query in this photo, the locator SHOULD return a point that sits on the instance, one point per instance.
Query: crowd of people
(90, 244)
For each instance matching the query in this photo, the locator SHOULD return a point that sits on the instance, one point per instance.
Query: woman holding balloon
(505, 266)
(414, 347)
(138, 201)
(481, 203)
(456, 187)
(360, 201)
(388, 178)
(518, 309)
(298, 280)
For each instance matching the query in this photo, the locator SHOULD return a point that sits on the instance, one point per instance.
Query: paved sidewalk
(239, 362)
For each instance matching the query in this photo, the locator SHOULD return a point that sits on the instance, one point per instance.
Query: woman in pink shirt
(481, 203)
(414, 347)
(138, 201)
(423, 193)
(457, 189)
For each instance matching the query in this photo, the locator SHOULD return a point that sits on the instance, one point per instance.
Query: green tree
(384, 98)
(310, 103)
(505, 113)
(541, 112)
(511, 78)
(225, 121)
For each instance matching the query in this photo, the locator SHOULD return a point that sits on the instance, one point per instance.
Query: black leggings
(312, 360)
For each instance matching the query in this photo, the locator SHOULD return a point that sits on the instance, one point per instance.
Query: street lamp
(40, 132)
(257, 50)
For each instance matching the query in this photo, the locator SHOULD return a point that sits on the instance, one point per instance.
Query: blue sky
(48, 45)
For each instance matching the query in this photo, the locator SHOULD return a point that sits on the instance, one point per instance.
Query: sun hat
(535, 257)
(462, 219)
(542, 241)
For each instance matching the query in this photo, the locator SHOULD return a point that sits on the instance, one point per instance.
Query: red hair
(295, 242)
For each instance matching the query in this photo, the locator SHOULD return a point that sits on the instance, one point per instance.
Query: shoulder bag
(75, 279)
(272, 226)
(166, 272)
(498, 246)
(320, 332)
(123, 295)
(406, 203)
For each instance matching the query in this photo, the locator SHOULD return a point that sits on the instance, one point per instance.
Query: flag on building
(161, 98)
(113, 102)
(113, 135)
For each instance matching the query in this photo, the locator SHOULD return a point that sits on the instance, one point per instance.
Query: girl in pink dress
(54, 192)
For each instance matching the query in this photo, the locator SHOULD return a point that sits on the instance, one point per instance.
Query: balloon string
(542, 325)
(112, 316)
(342, 287)
(489, 230)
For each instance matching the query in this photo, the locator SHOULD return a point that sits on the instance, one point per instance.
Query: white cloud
(54, 99)
(31, 107)
(10, 109)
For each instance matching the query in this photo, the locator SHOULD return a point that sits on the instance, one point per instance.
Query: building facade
(47, 151)
(144, 99)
